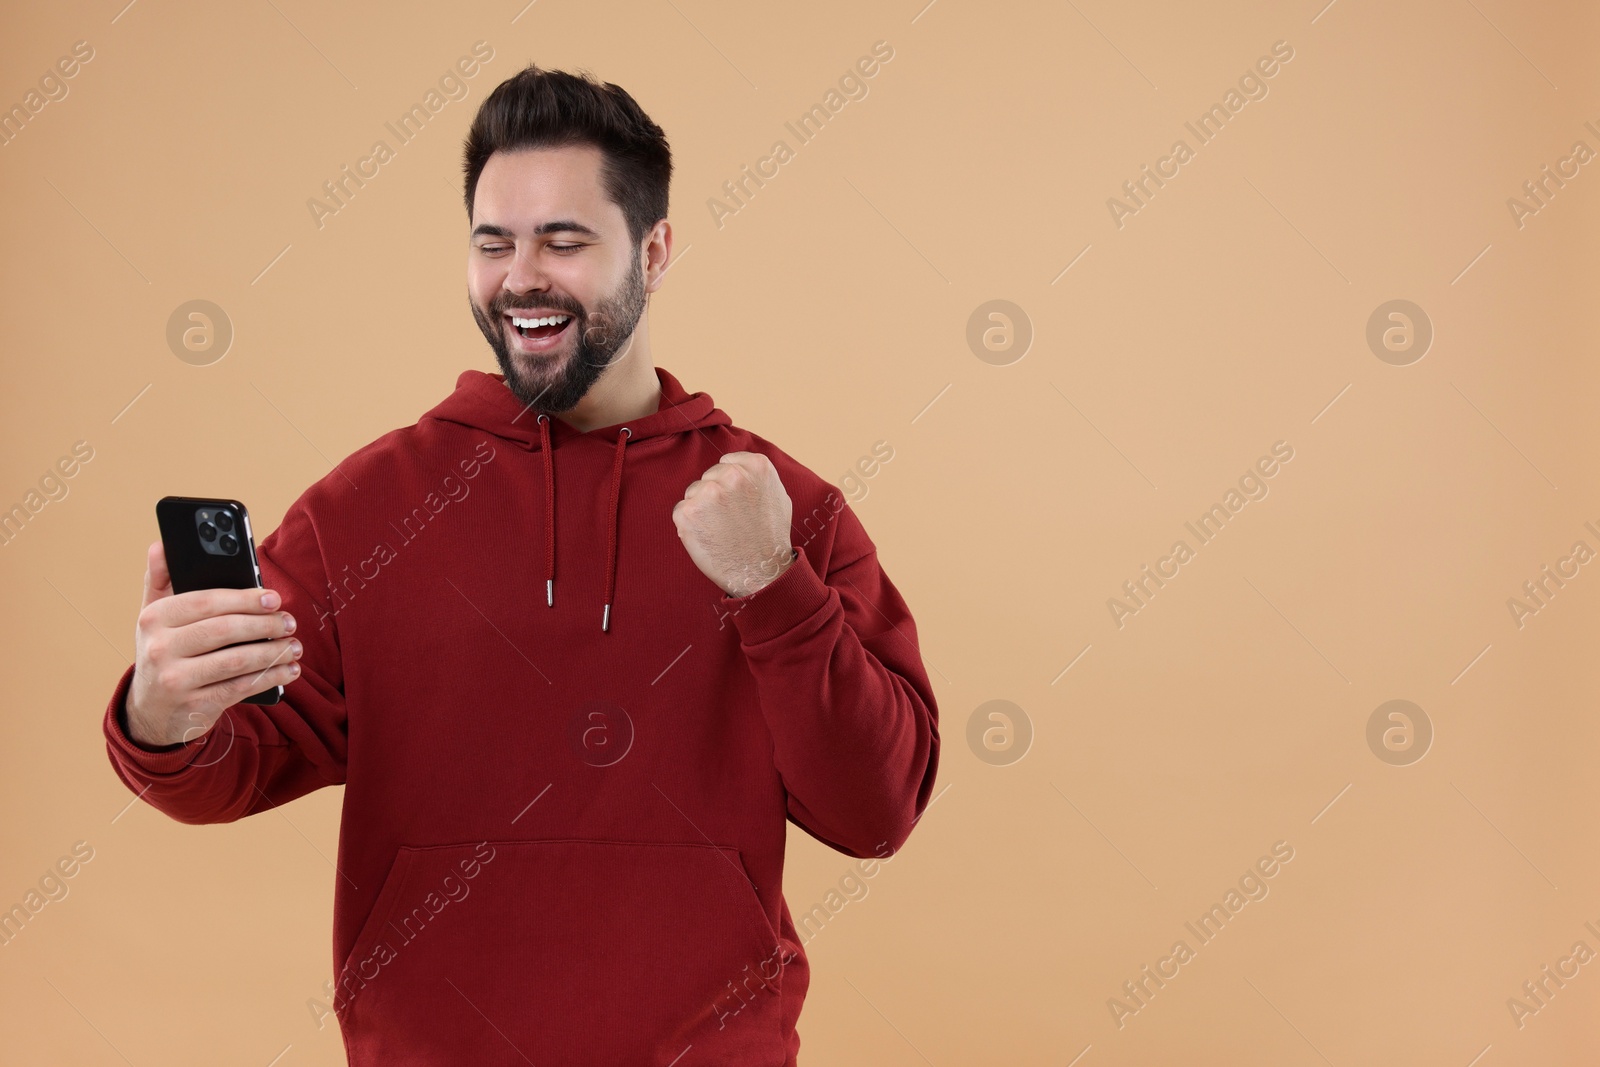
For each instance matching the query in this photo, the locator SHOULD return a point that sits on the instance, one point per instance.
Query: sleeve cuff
(169, 759)
(780, 605)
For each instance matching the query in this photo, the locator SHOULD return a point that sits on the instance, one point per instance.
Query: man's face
(547, 242)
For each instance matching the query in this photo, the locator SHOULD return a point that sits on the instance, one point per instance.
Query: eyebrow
(556, 226)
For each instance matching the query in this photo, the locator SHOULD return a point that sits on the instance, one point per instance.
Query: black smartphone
(209, 546)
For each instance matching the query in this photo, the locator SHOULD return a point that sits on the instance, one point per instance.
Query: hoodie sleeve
(255, 756)
(854, 725)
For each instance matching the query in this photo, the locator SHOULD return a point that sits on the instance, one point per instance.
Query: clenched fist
(734, 521)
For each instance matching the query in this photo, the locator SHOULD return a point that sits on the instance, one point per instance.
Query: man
(563, 828)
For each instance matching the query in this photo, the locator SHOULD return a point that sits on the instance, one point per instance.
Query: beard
(557, 380)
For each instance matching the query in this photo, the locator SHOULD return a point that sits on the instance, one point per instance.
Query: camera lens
(224, 521)
(229, 544)
(208, 532)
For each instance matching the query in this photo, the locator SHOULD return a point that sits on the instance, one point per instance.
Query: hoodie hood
(482, 401)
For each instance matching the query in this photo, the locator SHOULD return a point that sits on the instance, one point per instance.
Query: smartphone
(209, 546)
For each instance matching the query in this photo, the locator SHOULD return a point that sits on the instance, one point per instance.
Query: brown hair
(551, 109)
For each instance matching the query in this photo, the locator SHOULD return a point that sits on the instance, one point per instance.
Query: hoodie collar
(482, 401)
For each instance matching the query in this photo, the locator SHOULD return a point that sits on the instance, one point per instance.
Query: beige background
(831, 313)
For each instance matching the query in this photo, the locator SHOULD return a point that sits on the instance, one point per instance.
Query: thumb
(157, 579)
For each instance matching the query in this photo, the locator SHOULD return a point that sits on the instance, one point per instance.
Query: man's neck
(610, 402)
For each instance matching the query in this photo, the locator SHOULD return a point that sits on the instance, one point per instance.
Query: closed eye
(495, 249)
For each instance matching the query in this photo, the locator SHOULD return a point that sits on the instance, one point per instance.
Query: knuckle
(148, 620)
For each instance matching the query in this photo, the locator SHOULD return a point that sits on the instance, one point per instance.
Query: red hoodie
(567, 754)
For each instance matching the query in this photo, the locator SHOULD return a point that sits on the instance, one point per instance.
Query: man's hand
(734, 522)
(184, 677)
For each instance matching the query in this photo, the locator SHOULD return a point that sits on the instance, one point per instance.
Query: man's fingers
(746, 465)
(720, 473)
(231, 691)
(157, 580)
(219, 631)
(244, 661)
(181, 609)
(731, 470)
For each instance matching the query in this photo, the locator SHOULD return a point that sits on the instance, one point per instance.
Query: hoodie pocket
(565, 951)
(361, 958)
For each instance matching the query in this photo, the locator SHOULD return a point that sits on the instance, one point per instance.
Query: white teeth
(549, 320)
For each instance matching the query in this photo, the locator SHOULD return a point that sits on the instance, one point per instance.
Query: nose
(524, 275)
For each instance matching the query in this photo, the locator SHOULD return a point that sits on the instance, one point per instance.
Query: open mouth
(540, 332)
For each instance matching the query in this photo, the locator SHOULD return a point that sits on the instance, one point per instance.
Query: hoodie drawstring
(611, 544)
(549, 512)
(623, 436)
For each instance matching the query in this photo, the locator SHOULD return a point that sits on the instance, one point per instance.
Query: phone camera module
(219, 530)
